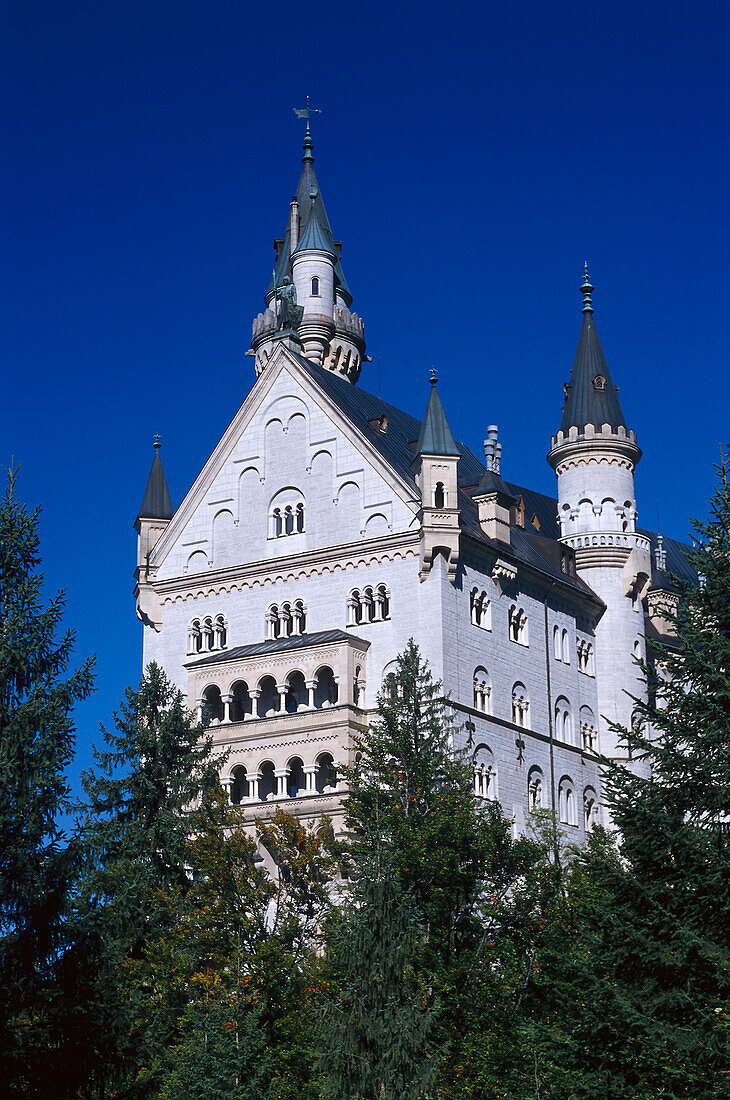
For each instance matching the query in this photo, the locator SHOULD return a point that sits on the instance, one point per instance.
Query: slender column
(310, 776)
(310, 686)
(378, 614)
(199, 709)
(227, 700)
(296, 625)
(253, 779)
(282, 689)
(281, 776)
(255, 696)
(227, 785)
(351, 609)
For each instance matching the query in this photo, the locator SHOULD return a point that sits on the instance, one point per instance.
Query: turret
(594, 455)
(435, 468)
(330, 333)
(154, 515)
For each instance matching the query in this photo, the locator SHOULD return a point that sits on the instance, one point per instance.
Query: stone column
(227, 785)
(351, 608)
(310, 776)
(226, 700)
(282, 689)
(281, 777)
(310, 686)
(253, 786)
(255, 696)
(199, 709)
(378, 613)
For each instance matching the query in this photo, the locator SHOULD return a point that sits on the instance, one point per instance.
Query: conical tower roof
(436, 437)
(308, 187)
(156, 503)
(591, 396)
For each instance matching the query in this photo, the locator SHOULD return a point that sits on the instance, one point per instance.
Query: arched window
(238, 786)
(286, 513)
(278, 523)
(358, 686)
(588, 731)
(297, 696)
(482, 690)
(288, 520)
(481, 609)
(566, 802)
(590, 808)
(315, 286)
(300, 518)
(267, 782)
(517, 624)
(368, 605)
(195, 637)
(520, 706)
(212, 705)
(557, 648)
(220, 632)
(563, 721)
(439, 495)
(566, 648)
(299, 616)
(325, 693)
(296, 782)
(207, 630)
(268, 697)
(485, 773)
(326, 774)
(241, 702)
(535, 789)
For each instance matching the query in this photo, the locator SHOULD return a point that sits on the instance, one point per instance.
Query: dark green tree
(455, 863)
(41, 963)
(640, 1000)
(134, 824)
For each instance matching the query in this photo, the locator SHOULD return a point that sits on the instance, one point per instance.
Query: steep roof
(317, 233)
(156, 503)
(591, 396)
(308, 186)
(435, 437)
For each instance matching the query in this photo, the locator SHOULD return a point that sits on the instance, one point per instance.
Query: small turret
(154, 515)
(435, 466)
(594, 455)
(331, 334)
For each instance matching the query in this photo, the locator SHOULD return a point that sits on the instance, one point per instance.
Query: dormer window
(599, 382)
(315, 287)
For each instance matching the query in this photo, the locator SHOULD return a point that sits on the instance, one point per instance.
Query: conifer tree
(38, 865)
(641, 1000)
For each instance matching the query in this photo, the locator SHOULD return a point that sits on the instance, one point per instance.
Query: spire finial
(586, 290)
(305, 112)
(433, 376)
(157, 442)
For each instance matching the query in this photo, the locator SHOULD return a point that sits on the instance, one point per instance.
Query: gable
(290, 475)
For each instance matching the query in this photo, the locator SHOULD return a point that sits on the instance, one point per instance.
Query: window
(326, 774)
(557, 648)
(517, 625)
(368, 605)
(241, 702)
(482, 690)
(286, 620)
(566, 648)
(480, 609)
(535, 789)
(439, 495)
(585, 657)
(212, 706)
(563, 721)
(520, 706)
(590, 808)
(599, 382)
(315, 287)
(286, 514)
(485, 773)
(588, 731)
(566, 802)
(208, 635)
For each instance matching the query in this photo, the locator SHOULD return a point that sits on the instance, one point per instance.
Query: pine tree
(135, 824)
(642, 998)
(39, 961)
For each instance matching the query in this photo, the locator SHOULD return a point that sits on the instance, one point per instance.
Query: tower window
(315, 287)
(599, 382)
(439, 496)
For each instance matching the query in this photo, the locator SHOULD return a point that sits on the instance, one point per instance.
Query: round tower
(313, 271)
(594, 455)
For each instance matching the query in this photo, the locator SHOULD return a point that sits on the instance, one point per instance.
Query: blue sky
(470, 157)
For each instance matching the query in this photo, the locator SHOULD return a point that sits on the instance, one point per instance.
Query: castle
(329, 527)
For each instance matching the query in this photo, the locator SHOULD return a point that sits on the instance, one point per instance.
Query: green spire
(436, 437)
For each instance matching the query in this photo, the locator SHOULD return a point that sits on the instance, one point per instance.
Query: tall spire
(156, 503)
(436, 437)
(591, 396)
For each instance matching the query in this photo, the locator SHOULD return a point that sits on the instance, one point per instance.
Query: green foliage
(41, 962)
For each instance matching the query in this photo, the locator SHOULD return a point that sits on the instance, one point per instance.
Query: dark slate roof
(677, 563)
(276, 645)
(492, 482)
(307, 186)
(584, 404)
(435, 437)
(317, 233)
(156, 503)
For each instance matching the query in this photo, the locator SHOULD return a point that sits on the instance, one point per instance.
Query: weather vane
(305, 112)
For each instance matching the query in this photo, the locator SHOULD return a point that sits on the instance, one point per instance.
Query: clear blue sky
(470, 156)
